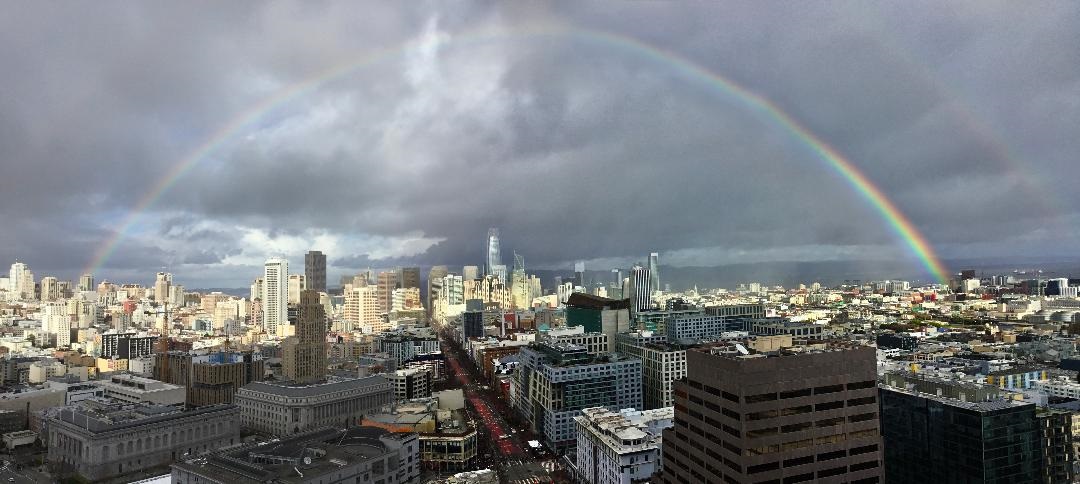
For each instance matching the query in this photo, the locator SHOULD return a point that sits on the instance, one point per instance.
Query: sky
(441, 119)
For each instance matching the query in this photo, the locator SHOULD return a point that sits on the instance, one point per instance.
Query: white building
(595, 343)
(275, 300)
(42, 370)
(1061, 387)
(136, 389)
(620, 447)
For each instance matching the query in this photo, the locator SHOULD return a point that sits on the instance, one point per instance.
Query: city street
(498, 430)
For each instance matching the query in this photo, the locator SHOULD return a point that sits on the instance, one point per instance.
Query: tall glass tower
(494, 259)
(654, 271)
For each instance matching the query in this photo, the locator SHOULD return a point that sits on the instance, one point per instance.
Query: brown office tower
(793, 415)
(304, 355)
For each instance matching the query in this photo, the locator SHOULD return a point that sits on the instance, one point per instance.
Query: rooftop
(290, 389)
(588, 301)
(301, 458)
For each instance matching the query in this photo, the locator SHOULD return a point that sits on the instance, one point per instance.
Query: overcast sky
(528, 117)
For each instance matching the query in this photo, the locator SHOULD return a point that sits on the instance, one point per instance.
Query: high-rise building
(210, 378)
(654, 271)
(408, 277)
(641, 295)
(362, 310)
(161, 287)
(86, 283)
(662, 365)
(388, 281)
(470, 273)
(50, 288)
(434, 285)
(494, 258)
(783, 416)
(21, 280)
(275, 300)
(579, 274)
(297, 284)
(928, 438)
(304, 355)
(315, 270)
(557, 381)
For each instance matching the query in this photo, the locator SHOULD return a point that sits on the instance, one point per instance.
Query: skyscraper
(434, 284)
(579, 274)
(408, 277)
(470, 273)
(304, 355)
(388, 281)
(161, 287)
(275, 300)
(641, 295)
(494, 258)
(654, 271)
(297, 284)
(86, 283)
(315, 270)
(21, 281)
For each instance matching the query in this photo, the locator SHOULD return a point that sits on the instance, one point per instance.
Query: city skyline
(952, 120)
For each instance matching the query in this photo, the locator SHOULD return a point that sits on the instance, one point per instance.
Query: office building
(662, 364)
(126, 345)
(435, 285)
(470, 273)
(410, 383)
(494, 257)
(136, 389)
(595, 344)
(654, 271)
(555, 382)
(599, 315)
(695, 325)
(362, 310)
(86, 283)
(928, 438)
(315, 270)
(405, 347)
(50, 288)
(408, 277)
(472, 324)
(161, 287)
(387, 282)
(297, 283)
(275, 300)
(782, 416)
(1056, 439)
(211, 378)
(304, 355)
(357, 455)
(98, 441)
(619, 447)
(283, 408)
(640, 289)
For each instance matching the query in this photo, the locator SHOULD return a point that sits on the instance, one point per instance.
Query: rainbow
(901, 226)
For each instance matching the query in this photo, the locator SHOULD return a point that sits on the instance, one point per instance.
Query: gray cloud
(577, 149)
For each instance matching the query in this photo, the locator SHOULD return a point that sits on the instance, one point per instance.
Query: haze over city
(163, 135)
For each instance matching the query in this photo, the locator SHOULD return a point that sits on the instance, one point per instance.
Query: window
(866, 449)
(796, 427)
(831, 455)
(829, 405)
(799, 461)
(762, 432)
(730, 413)
(828, 389)
(862, 434)
(730, 396)
(799, 478)
(796, 410)
(862, 417)
(862, 466)
(805, 392)
(769, 466)
(861, 385)
(854, 402)
(829, 422)
(835, 471)
(830, 439)
(761, 397)
(761, 415)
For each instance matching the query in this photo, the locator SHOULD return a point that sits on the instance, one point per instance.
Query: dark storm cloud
(575, 148)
